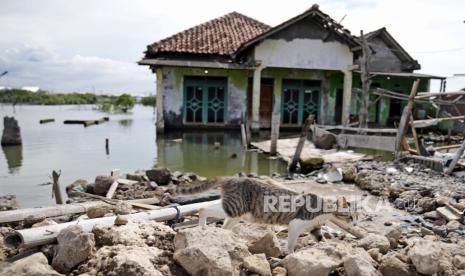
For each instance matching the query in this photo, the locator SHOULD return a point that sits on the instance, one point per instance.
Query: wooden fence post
(302, 139)
(56, 187)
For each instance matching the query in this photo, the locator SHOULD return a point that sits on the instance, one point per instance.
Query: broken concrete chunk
(279, 271)
(257, 264)
(447, 214)
(102, 184)
(161, 176)
(268, 244)
(121, 220)
(74, 247)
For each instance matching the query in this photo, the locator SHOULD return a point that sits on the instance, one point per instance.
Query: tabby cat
(268, 202)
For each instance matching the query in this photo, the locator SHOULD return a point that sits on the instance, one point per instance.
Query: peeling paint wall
(384, 59)
(304, 54)
(173, 84)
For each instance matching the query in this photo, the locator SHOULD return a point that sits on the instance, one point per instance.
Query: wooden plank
(435, 121)
(425, 95)
(386, 143)
(44, 121)
(111, 191)
(302, 139)
(448, 147)
(447, 214)
(458, 155)
(367, 130)
(126, 181)
(405, 117)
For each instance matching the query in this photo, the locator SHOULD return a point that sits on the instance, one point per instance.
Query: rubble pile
(426, 241)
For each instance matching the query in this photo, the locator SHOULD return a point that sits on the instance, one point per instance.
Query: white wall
(304, 54)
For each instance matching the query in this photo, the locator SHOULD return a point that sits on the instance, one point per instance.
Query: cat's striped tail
(200, 187)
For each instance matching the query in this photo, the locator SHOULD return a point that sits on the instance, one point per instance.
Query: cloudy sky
(86, 45)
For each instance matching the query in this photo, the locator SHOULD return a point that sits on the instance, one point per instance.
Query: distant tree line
(106, 102)
(19, 96)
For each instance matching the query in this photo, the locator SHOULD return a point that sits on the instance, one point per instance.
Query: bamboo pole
(56, 187)
(18, 215)
(47, 234)
(302, 139)
(456, 159)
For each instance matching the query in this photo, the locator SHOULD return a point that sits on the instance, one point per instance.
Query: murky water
(79, 152)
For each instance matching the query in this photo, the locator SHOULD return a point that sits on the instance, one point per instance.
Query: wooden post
(275, 120)
(56, 187)
(456, 159)
(366, 82)
(244, 136)
(414, 133)
(107, 146)
(300, 145)
(405, 117)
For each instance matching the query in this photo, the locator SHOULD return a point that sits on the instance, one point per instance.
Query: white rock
(425, 256)
(34, 265)
(359, 265)
(257, 264)
(320, 260)
(375, 241)
(74, 247)
(268, 244)
(209, 251)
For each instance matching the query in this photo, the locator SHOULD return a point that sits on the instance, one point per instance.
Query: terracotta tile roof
(220, 36)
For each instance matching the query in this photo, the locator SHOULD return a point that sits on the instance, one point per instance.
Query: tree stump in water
(11, 132)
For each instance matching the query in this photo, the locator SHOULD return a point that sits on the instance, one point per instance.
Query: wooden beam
(367, 130)
(448, 147)
(434, 121)
(456, 159)
(303, 137)
(425, 95)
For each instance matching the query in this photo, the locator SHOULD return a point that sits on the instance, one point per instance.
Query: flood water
(79, 152)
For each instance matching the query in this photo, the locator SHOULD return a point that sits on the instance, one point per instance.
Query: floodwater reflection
(212, 153)
(14, 157)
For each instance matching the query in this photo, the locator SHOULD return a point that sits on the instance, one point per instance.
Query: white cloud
(113, 33)
(30, 66)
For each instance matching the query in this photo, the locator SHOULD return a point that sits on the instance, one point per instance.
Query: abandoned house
(235, 68)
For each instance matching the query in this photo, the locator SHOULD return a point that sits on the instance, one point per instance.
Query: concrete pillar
(160, 118)
(347, 97)
(257, 78)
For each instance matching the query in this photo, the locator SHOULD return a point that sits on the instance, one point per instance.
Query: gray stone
(279, 271)
(257, 264)
(161, 176)
(325, 141)
(11, 132)
(97, 211)
(393, 236)
(34, 265)
(122, 208)
(311, 164)
(102, 184)
(459, 261)
(121, 220)
(74, 247)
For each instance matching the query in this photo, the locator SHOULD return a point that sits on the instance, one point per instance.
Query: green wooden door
(300, 98)
(205, 100)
